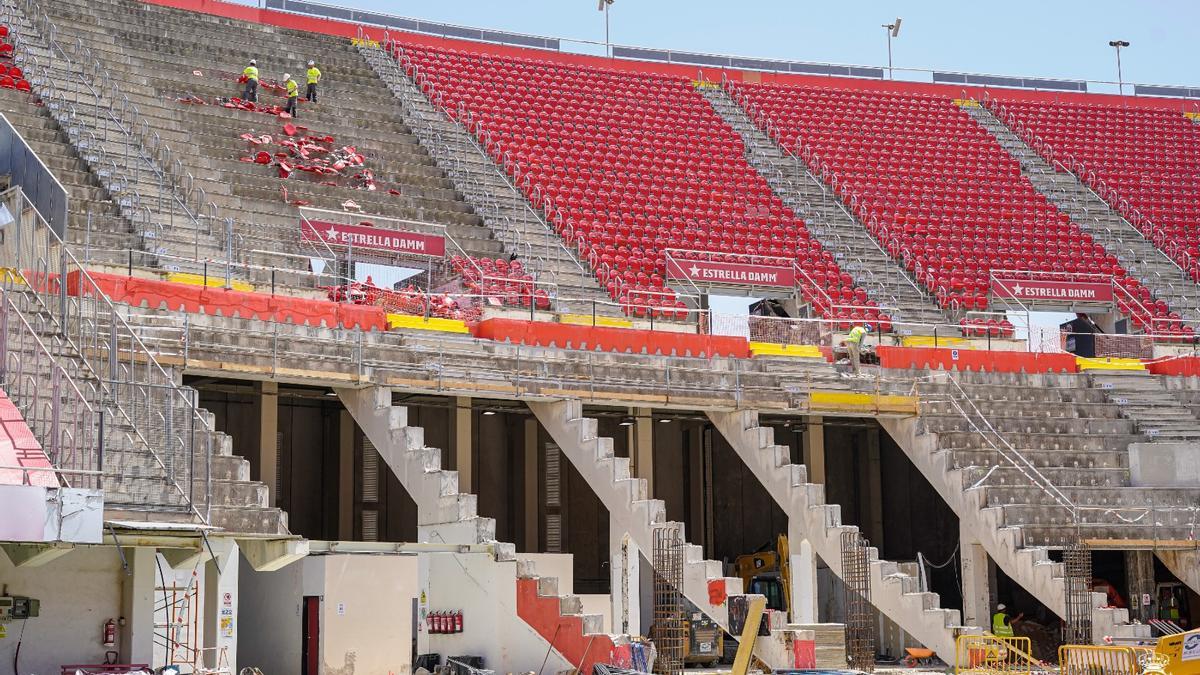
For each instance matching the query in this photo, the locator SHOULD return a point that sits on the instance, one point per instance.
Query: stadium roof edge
(520, 45)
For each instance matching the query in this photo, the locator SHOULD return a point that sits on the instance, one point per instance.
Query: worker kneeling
(293, 95)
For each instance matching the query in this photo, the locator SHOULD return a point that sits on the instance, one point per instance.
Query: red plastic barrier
(1181, 366)
(230, 303)
(974, 360)
(608, 339)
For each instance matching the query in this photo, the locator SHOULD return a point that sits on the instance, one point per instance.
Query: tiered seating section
(1149, 159)
(936, 189)
(627, 165)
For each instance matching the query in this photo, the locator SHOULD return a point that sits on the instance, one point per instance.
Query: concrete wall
(366, 623)
(1164, 465)
(79, 592)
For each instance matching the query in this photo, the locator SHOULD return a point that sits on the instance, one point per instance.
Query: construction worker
(1002, 623)
(854, 345)
(293, 94)
(251, 76)
(314, 76)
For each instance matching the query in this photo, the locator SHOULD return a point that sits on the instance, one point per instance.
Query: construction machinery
(768, 573)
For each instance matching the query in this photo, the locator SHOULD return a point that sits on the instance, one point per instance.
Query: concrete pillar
(1139, 573)
(267, 409)
(462, 443)
(625, 567)
(346, 429)
(532, 472)
(136, 636)
(803, 564)
(641, 447)
(814, 449)
(872, 492)
(221, 605)
(976, 576)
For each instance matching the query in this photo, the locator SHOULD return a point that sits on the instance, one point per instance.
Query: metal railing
(167, 437)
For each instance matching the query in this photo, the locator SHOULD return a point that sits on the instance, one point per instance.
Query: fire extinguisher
(110, 633)
(445, 623)
(437, 623)
(458, 621)
(429, 620)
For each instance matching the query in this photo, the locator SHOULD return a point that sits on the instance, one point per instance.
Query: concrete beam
(462, 443)
(642, 447)
(34, 555)
(976, 577)
(802, 562)
(346, 428)
(1139, 575)
(626, 596)
(814, 449)
(532, 472)
(220, 606)
(1183, 564)
(182, 558)
(268, 555)
(136, 636)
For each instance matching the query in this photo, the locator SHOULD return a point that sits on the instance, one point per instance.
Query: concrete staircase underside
(895, 588)
(856, 251)
(1140, 257)
(630, 509)
(447, 516)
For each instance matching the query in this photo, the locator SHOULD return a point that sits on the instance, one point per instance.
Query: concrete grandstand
(439, 372)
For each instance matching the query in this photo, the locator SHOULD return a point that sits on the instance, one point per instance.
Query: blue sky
(1052, 38)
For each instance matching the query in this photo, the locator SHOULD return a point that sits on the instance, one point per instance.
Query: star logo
(331, 233)
(694, 271)
(1017, 289)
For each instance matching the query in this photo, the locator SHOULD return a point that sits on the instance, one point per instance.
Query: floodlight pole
(1117, 44)
(893, 30)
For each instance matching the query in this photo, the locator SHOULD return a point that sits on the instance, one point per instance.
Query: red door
(310, 645)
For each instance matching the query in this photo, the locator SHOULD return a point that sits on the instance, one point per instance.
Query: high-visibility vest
(856, 334)
(1000, 625)
(251, 73)
(314, 75)
(293, 89)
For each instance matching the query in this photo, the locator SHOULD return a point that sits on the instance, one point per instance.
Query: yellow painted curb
(213, 282)
(1194, 116)
(1108, 364)
(407, 321)
(852, 402)
(587, 320)
(795, 351)
(928, 341)
(966, 103)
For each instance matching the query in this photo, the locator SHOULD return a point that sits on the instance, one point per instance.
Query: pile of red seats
(936, 189)
(502, 280)
(11, 75)
(409, 300)
(984, 327)
(626, 165)
(1149, 158)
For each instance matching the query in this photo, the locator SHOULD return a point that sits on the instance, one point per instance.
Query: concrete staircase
(142, 479)
(629, 507)
(1139, 256)
(483, 183)
(895, 587)
(447, 516)
(856, 251)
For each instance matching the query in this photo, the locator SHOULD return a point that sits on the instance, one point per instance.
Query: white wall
(269, 618)
(79, 592)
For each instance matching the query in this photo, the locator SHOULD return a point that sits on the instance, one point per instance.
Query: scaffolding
(860, 616)
(1077, 577)
(669, 633)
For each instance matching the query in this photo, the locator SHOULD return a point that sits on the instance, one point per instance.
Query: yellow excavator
(768, 573)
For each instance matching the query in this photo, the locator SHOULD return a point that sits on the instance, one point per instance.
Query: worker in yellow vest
(251, 76)
(1002, 623)
(854, 344)
(293, 94)
(314, 76)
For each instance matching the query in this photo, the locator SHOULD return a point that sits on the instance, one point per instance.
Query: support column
(136, 636)
(462, 444)
(221, 605)
(346, 428)
(802, 562)
(642, 447)
(625, 565)
(267, 408)
(814, 449)
(532, 472)
(1139, 573)
(872, 493)
(977, 599)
